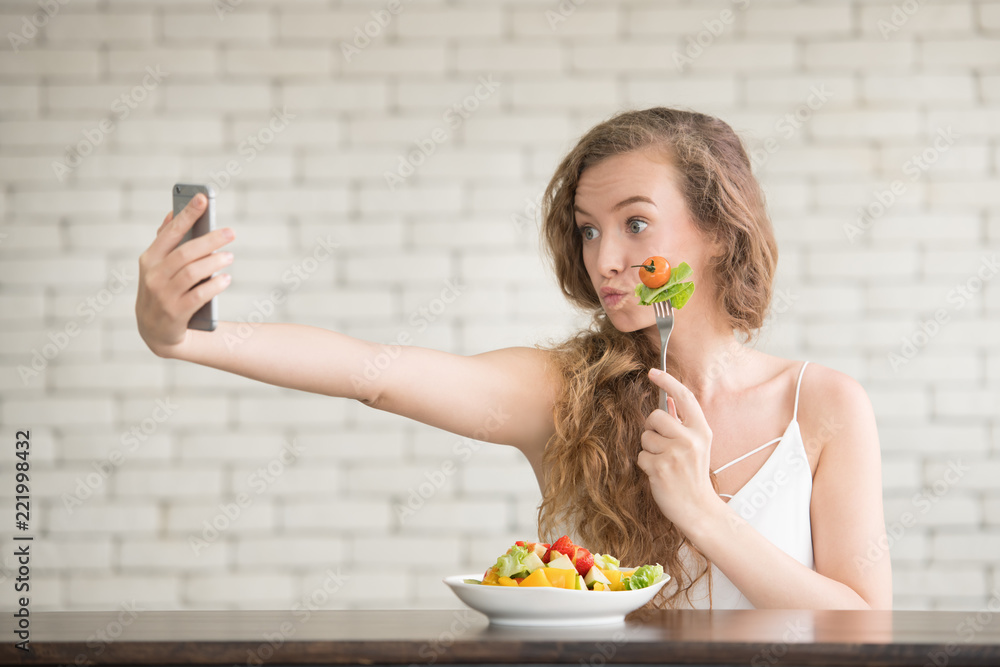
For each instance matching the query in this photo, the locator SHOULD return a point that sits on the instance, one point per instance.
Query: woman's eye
(635, 225)
(588, 233)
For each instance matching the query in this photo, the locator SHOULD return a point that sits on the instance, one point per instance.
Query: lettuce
(645, 576)
(677, 290)
(511, 564)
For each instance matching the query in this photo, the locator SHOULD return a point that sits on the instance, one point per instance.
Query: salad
(565, 565)
(660, 283)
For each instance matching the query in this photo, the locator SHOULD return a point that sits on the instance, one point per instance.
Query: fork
(664, 311)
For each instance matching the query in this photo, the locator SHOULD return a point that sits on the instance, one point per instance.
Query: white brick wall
(336, 506)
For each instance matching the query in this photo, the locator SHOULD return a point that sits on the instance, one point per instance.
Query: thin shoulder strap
(750, 453)
(795, 412)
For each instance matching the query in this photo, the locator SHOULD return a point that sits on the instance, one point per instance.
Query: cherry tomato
(654, 272)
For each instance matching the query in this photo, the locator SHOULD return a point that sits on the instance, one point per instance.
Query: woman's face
(628, 208)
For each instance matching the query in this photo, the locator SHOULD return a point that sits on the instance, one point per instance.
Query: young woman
(761, 484)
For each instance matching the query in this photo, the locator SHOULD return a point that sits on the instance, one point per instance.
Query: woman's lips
(612, 296)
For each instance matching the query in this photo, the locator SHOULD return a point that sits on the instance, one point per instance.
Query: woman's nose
(611, 259)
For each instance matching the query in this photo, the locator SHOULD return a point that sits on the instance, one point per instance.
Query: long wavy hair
(593, 488)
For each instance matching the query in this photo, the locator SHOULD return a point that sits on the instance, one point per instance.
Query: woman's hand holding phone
(169, 293)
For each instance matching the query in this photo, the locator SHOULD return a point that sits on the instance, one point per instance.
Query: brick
(570, 93)
(969, 52)
(53, 411)
(173, 62)
(244, 446)
(108, 376)
(672, 21)
(705, 91)
(461, 23)
(187, 518)
(235, 589)
(373, 589)
(341, 95)
(768, 90)
(217, 97)
(969, 404)
(769, 55)
(963, 472)
(924, 88)
(944, 369)
(887, 263)
(363, 306)
(573, 21)
(831, 124)
(354, 444)
(143, 555)
(137, 482)
(298, 201)
(937, 580)
(912, 403)
(511, 57)
(279, 477)
(644, 55)
(358, 516)
(411, 199)
(295, 62)
(826, 20)
(19, 98)
(868, 55)
(436, 480)
(15, 307)
(70, 554)
(241, 26)
(96, 518)
(130, 595)
(101, 28)
(298, 26)
(281, 410)
(967, 192)
(927, 509)
(422, 552)
(289, 551)
(422, 60)
(440, 515)
(461, 235)
(498, 481)
(890, 22)
(72, 64)
(174, 132)
(98, 448)
(989, 86)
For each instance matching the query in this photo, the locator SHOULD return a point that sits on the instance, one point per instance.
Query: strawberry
(564, 546)
(583, 560)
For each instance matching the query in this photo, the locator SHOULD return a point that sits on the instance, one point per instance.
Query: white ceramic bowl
(541, 606)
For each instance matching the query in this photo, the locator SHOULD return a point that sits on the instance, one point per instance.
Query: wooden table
(756, 638)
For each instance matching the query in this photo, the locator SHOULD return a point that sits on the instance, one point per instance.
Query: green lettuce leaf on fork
(677, 290)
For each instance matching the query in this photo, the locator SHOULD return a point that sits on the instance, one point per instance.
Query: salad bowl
(542, 606)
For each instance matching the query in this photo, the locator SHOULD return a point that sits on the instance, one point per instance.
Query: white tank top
(776, 502)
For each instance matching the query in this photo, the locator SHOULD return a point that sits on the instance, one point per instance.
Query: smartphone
(206, 317)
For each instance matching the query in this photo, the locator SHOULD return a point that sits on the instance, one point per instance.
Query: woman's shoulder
(833, 409)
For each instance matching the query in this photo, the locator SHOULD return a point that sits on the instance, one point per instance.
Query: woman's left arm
(852, 569)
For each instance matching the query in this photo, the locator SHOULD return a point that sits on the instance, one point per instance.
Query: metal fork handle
(663, 366)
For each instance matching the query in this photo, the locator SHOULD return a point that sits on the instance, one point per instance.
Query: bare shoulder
(834, 411)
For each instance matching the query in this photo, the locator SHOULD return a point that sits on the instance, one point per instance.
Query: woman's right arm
(503, 396)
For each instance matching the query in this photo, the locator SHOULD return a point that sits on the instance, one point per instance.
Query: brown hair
(593, 487)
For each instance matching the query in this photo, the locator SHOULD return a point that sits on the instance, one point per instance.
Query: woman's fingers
(195, 250)
(170, 216)
(185, 279)
(686, 408)
(173, 230)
